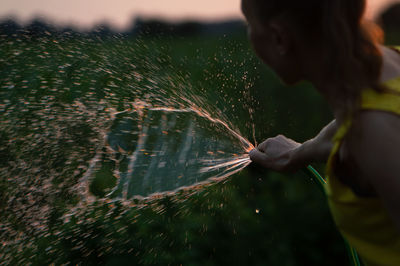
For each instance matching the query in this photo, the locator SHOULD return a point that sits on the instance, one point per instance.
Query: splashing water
(162, 149)
(83, 121)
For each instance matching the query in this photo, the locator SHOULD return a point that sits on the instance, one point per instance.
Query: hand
(278, 154)
(283, 154)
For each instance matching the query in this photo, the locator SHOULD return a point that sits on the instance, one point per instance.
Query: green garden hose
(354, 259)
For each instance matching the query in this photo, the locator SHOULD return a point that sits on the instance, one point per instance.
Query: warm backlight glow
(121, 12)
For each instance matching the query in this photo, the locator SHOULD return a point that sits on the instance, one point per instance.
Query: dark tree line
(390, 19)
(148, 27)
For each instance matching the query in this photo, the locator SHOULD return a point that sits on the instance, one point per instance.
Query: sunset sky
(119, 13)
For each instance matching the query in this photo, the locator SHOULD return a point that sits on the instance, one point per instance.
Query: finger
(259, 157)
(263, 146)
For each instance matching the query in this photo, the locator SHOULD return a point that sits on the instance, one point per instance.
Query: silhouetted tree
(151, 27)
(155, 27)
(102, 31)
(225, 27)
(188, 28)
(390, 18)
(39, 28)
(9, 27)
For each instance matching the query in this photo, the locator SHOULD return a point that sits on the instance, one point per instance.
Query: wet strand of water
(163, 149)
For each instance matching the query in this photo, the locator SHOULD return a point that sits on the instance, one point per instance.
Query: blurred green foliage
(257, 217)
(392, 36)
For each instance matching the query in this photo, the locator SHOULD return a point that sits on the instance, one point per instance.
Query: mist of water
(84, 121)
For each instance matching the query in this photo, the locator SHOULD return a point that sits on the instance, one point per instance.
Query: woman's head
(273, 41)
(331, 34)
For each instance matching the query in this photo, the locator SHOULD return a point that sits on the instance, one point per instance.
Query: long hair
(348, 44)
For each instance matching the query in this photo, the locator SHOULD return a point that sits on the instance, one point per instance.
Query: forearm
(283, 154)
(318, 148)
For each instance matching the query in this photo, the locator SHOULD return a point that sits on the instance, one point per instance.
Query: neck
(313, 67)
(332, 97)
(329, 91)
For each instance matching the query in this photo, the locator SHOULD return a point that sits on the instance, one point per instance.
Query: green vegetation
(54, 97)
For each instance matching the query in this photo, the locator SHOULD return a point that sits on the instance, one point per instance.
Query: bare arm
(283, 154)
(374, 145)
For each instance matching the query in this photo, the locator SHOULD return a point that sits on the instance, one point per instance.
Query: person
(330, 44)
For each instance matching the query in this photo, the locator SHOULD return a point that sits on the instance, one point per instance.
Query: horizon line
(114, 26)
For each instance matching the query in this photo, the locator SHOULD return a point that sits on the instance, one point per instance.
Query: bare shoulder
(370, 123)
(371, 129)
(374, 144)
(391, 64)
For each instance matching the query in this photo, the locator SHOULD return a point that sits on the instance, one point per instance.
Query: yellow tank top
(364, 222)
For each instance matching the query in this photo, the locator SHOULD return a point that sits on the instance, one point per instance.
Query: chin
(292, 82)
(289, 79)
(287, 74)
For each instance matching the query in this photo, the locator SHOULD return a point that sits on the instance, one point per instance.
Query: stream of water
(155, 150)
(84, 121)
